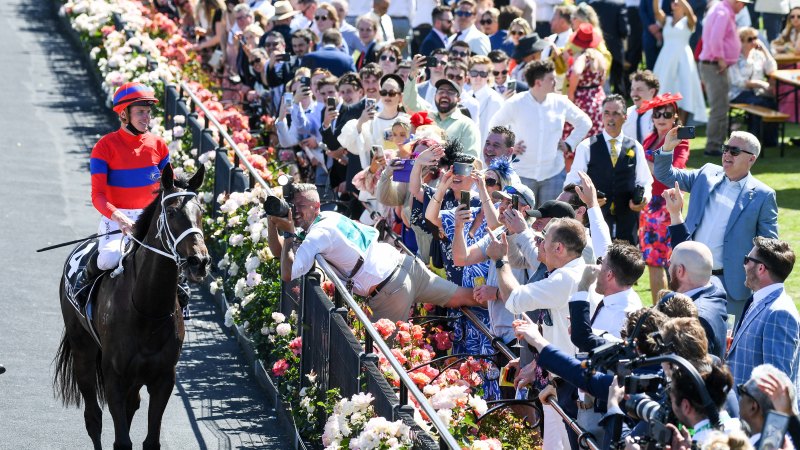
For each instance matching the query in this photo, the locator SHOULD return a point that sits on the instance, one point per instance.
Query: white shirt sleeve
(552, 292)
(579, 164)
(285, 138)
(580, 121)
(313, 244)
(643, 175)
(601, 235)
(526, 250)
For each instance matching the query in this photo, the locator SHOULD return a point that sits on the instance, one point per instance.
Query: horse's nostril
(194, 261)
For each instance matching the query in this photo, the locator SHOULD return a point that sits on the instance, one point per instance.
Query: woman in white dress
(675, 67)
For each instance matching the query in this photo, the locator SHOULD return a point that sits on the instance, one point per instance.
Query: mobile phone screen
(465, 198)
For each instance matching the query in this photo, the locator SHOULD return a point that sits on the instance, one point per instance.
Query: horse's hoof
(156, 446)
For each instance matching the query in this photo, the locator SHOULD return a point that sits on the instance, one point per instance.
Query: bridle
(164, 234)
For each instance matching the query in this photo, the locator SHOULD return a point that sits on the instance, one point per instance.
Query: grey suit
(754, 214)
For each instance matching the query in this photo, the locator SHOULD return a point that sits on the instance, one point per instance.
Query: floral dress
(589, 96)
(466, 337)
(654, 220)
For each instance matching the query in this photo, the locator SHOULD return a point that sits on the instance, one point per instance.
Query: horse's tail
(65, 384)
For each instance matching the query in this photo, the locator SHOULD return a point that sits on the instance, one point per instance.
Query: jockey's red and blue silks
(126, 170)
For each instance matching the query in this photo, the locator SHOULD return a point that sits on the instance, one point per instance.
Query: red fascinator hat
(585, 37)
(660, 100)
(421, 118)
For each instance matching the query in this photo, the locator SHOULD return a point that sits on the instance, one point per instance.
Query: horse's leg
(86, 374)
(160, 392)
(116, 396)
(134, 399)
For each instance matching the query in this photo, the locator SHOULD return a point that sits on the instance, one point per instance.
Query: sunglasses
(320, 18)
(740, 389)
(516, 33)
(455, 77)
(389, 58)
(500, 72)
(748, 259)
(459, 54)
(271, 44)
(487, 22)
(478, 73)
(242, 17)
(734, 151)
(752, 39)
(464, 13)
(387, 93)
(665, 114)
(490, 182)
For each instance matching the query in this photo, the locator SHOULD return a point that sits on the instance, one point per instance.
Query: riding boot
(84, 281)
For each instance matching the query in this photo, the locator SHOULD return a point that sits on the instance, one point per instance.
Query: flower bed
(150, 49)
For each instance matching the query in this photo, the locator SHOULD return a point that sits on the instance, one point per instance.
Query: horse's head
(183, 216)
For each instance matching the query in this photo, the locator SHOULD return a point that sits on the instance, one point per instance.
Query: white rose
(283, 329)
(278, 317)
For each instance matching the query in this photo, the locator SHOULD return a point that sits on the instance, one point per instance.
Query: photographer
(596, 383)
(390, 281)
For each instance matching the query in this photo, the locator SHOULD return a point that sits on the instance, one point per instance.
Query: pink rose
(296, 346)
(280, 367)
(385, 327)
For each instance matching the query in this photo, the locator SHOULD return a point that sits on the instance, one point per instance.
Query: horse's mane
(143, 223)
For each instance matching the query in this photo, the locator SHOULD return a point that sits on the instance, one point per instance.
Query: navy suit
(499, 41)
(712, 308)
(431, 42)
(581, 328)
(614, 21)
(331, 58)
(754, 214)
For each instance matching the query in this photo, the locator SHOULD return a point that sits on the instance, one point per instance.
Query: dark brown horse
(137, 319)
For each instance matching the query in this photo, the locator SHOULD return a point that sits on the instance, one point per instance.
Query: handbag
(216, 59)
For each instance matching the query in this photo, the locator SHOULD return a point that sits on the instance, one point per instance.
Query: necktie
(596, 311)
(383, 30)
(639, 127)
(614, 152)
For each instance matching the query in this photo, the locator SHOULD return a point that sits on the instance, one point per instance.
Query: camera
(641, 406)
(276, 206)
(643, 384)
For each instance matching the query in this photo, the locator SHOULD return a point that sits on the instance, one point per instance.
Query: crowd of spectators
(530, 156)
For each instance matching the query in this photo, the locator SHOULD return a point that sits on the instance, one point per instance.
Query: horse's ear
(197, 179)
(167, 178)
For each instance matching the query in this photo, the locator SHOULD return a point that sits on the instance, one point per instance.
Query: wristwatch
(500, 263)
(289, 234)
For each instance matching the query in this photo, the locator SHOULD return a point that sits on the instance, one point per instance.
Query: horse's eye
(171, 212)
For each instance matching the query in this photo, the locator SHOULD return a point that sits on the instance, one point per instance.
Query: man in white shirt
(537, 118)
(561, 26)
(489, 100)
(466, 15)
(305, 20)
(561, 253)
(544, 12)
(385, 28)
(392, 282)
(644, 86)
(617, 166)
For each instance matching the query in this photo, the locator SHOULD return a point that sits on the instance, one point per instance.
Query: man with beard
(644, 86)
(442, 18)
(617, 166)
(449, 118)
(390, 281)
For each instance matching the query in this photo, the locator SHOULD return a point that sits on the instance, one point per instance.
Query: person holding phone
(654, 220)
(755, 403)
(360, 135)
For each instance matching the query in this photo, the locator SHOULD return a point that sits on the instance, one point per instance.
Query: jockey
(126, 170)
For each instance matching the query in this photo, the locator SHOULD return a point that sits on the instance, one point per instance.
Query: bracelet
(434, 199)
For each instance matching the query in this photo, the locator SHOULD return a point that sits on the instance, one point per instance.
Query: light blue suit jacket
(769, 334)
(754, 214)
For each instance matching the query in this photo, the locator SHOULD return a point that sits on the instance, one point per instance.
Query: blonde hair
(332, 13)
(521, 22)
(479, 59)
(786, 34)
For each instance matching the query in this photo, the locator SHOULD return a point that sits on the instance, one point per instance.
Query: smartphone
(515, 202)
(288, 98)
(601, 194)
(377, 150)
(773, 431)
(305, 82)
(507, 375)
(638, 195)
(331, 103)
(283, 57)
(465, 197)
(431, 63)
(512, 85)
(370, 103)
(462, 169)
(686, 133)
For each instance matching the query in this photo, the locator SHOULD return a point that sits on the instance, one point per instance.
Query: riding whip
(64, 244)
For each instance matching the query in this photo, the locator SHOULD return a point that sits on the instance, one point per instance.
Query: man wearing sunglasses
(769, 330)
(489, 101)
(442, 18)
(729, 207)
(466, 16)
(754, 404)
(500, 73)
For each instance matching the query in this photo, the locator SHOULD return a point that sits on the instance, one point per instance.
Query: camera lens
(275, 206)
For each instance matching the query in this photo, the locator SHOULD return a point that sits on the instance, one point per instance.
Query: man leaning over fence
(390, 281)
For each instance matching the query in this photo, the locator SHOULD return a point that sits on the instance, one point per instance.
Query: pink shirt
(720, 38)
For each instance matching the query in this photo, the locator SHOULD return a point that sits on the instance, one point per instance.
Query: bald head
(696, 261)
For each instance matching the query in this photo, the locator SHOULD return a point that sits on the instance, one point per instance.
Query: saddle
(79, 285)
